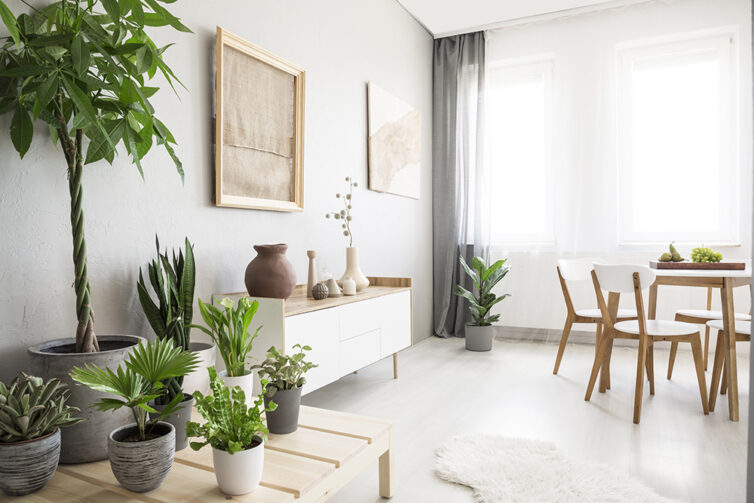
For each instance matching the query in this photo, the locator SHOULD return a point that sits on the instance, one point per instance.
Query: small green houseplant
(236, 433)
(135, 385)
(285, 374)
(480, 332)
(229, 330)
(31, 413)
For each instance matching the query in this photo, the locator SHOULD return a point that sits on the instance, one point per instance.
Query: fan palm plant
(140, 382)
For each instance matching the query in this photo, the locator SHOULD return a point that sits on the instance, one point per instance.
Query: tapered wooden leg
(706, 346)
(729, 325)
(563, 341)
(717, 369)
(597, 337)
(696, 351)
(598, 359)
(386, 471)
(671, 360)
(605, 370)
(639, 392)
(724, 382)
(395, 365)
(651, 367)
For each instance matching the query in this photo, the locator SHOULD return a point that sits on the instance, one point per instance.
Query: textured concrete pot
(284, 419)
(238, 473)
(85, 441)
(27, 466)
(178, 419)
(479, 338)
(270, 274)
(198, 380)
(142, 466)
(246, 382)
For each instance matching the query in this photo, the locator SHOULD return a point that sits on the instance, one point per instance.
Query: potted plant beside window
(141, 453)
(285, 374)
(31, 414)
(480, 332)
(235, 432)
(229, 330)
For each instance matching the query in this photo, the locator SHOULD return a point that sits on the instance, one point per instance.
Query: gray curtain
(460, 182)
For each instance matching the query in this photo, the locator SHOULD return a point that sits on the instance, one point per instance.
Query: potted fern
(82, 69)
(285, 374)
(480, 332)
(235, 432)
(136, 384)
(229, 330)
(32, 412)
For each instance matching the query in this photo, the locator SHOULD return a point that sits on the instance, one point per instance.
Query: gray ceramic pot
(142, 466)
(178, 419)
(479, 338)
(27, 466)
(85, 441)
(284, 419)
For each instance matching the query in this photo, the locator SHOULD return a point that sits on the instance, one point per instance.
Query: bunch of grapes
(702, 254)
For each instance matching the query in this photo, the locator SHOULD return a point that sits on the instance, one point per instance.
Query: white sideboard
(345, 333)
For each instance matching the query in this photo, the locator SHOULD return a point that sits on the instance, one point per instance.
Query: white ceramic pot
(353, 270)
(198, 380)
(246, 382)
(238, 473)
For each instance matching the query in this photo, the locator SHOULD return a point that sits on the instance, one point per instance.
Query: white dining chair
(579, 270)
(743, 334)
(618, 279)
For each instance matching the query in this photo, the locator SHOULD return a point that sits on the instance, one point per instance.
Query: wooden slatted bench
(309, 465)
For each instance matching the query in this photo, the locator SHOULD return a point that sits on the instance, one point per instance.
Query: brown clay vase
(270, 274)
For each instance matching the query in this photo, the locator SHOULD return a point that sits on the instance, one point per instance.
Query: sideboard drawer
(359, 318)
(358, 352)
(319, 330)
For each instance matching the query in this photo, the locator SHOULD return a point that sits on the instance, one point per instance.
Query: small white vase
(353, 270)
(246, 382)
(238, 473)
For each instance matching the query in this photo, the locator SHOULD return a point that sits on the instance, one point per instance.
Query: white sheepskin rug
(513, 470)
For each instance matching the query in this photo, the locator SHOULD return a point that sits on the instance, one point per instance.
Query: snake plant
(31, 408)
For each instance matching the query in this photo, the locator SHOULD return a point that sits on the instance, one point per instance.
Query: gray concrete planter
(142, 466)
(284, 419)
(198, 380)
(27, 466)
(85, 441)
(479, 338)
(178, 419)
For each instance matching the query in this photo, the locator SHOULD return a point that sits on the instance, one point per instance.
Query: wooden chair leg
(696, 351)
(671, 360)
(717, 368)
(598, 360)
(706, 346)
(605, 369)
(651, 367)
(639, 392)
(724, 382)
(563, 341)
(597, 338)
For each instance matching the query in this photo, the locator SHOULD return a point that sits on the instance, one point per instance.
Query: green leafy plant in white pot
(229, 330)
(285, 376)
(236, 433)
(141, 453)
(481, 331)
(32, 412)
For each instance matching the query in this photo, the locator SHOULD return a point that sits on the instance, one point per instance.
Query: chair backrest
(577, 269)
(620, 278)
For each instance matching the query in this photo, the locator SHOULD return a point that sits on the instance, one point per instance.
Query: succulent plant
(31, 408)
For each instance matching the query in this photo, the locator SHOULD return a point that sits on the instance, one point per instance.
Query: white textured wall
(341, 44)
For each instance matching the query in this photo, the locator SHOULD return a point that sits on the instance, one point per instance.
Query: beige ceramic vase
(353, 270)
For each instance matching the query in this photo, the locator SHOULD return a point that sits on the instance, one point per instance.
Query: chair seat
(742, 327)
(595, 313)
(658, 328)
(709, 315)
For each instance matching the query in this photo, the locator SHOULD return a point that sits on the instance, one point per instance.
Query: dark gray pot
(284, 419)
(479, 338)
(85, 441)
(27, 466)
(142, 466)
(178, 419)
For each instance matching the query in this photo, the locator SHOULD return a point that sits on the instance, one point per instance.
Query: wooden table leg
(395, 365)
(386, 470)
(729, 336)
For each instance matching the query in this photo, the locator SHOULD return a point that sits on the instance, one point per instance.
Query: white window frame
(721, 41)
(521, 67)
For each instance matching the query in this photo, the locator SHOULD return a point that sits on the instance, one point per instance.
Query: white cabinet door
(359, 318)
(395, 316)
(318, 329)
(358, 352)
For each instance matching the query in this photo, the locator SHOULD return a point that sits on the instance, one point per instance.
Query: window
(676, 142)
(519, 111)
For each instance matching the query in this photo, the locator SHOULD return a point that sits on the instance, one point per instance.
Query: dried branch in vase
(344, 215)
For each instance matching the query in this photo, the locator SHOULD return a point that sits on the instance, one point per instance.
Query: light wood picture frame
(259, 128)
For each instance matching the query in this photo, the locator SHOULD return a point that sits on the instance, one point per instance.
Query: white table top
(704, 273)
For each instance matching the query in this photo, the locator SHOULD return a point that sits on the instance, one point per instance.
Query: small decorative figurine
(312, 272)
(332, 288)
(349, 286)
(319, 291)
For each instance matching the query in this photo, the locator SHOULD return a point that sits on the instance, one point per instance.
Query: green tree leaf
(45, 93)
(9, 20)
(21, 130)
(81, 100)
(80, 54)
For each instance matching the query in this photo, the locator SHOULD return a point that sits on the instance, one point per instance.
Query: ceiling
(451, 17)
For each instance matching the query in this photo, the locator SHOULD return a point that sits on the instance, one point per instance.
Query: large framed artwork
(394, 144)
(259, 128)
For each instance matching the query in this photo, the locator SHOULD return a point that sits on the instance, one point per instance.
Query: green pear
(665, 257)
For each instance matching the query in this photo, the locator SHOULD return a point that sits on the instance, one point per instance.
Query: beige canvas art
(394, 144)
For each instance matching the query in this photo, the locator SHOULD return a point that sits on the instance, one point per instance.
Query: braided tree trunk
(86, 340)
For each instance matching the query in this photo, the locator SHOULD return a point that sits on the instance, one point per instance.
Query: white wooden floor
(444, 390)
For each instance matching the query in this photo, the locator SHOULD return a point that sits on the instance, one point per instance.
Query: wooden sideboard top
(299, 303)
